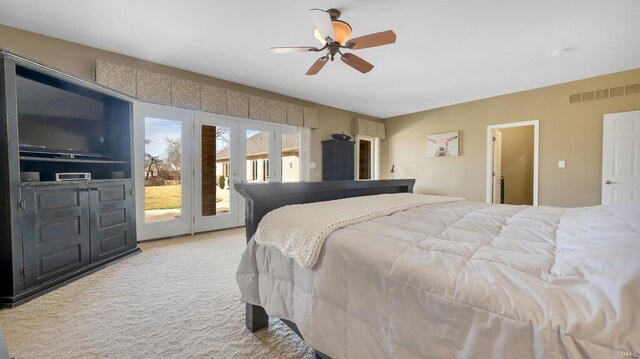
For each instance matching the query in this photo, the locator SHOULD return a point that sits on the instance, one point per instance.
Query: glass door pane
(162, 170)
(290, 153)
(215, 168)
(215, 156)
(257, 155)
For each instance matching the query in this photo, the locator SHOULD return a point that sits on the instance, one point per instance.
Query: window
(253, 174)
(265, 170)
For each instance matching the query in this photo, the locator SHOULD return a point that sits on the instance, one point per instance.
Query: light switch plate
(562, 164)
(312, 165)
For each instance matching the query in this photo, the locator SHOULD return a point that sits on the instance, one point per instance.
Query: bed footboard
(261, 198)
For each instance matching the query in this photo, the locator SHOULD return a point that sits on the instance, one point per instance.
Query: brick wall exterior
(209, 178)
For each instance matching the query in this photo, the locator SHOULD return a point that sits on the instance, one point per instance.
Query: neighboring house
(258, 159)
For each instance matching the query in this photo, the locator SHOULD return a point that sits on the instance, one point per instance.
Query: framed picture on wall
(443, 144)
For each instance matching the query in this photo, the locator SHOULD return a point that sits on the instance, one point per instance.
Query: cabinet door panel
(111, 218)
(55, 231)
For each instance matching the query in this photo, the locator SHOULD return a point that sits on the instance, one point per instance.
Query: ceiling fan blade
(372, 40)
(322, 21)
(317, 66)
(286, 50)
(357, 63)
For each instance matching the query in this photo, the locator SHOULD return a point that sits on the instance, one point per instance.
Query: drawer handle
(94, 189)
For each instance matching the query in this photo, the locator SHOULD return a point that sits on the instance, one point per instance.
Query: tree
(222, 135)
(173, 159)
(150, 162)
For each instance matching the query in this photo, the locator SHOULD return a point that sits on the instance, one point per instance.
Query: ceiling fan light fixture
(342, 30)
(334, 35)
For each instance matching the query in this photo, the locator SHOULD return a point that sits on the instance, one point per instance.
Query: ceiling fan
(334, 34)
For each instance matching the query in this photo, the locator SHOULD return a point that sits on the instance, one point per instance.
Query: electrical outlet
(312, 165)
(562, 164)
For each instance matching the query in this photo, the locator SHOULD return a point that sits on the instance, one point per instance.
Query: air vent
(632, 89)
(575, 98)
(617, 91)
(588, 96)
(603, 94)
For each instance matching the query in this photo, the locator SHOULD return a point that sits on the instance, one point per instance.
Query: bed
(446, 277)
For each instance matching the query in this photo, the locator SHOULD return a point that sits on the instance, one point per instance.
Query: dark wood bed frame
(262, 198)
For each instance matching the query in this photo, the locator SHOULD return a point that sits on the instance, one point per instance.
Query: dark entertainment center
(66, 177)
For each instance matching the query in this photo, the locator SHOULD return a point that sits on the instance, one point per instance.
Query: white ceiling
(448, 51)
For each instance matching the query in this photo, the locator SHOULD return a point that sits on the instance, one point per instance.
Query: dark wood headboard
(261, 198)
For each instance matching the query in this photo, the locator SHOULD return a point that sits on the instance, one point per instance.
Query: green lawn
(163, 197)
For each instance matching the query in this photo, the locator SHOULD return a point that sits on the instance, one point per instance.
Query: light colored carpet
(176, 299)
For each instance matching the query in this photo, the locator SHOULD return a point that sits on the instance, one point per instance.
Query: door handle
(609, 182)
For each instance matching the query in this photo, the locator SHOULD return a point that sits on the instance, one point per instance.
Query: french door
(268, 153)
(187, 163)
(163, 172)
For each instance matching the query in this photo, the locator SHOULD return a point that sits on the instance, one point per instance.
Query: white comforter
(463, 279)
(299, 230)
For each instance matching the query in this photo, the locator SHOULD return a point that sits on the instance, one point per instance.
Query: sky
(156, 130)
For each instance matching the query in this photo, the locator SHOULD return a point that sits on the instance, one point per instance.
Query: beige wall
(517, 164)
(80, 61)
(567, 132)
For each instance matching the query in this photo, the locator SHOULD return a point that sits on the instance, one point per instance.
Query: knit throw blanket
(299, 230)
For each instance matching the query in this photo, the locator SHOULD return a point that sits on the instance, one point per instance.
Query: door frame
(495, 134)
(536, 155)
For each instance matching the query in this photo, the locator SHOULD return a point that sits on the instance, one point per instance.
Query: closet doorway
(512, 163)
(367, 161)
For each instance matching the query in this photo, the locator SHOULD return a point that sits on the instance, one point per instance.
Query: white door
(269, 153)
(163, 172)
(215, 170)
(621, 157)
(187, 163)
(497, 165)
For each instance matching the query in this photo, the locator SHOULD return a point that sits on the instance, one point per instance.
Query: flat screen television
(54, 120)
